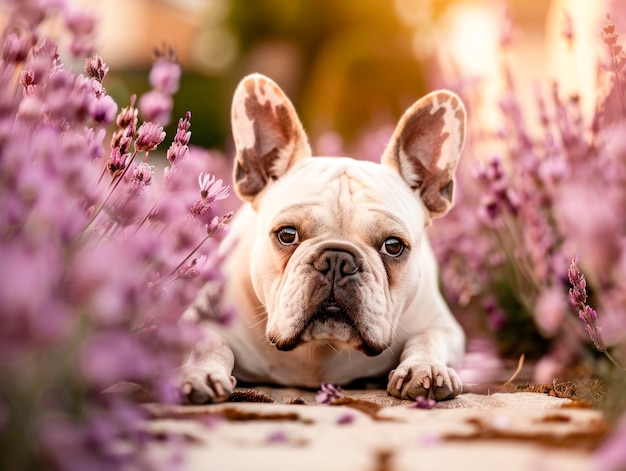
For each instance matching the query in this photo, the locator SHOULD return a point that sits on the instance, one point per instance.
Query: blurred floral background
(114, 170)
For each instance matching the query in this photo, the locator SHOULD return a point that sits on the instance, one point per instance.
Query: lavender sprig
(617, 55)
(578, 296)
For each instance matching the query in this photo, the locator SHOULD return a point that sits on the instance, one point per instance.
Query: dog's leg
(423, 371)
(206, 376)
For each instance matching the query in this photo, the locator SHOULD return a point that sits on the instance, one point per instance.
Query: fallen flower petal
(328, 393)
(424, 403)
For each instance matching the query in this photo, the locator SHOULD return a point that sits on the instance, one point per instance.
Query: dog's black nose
(337, 265)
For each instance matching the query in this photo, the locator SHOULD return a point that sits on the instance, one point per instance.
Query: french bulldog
(327, 264)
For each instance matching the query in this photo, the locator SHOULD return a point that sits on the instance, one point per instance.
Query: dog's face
(334, 253)
(337, 242)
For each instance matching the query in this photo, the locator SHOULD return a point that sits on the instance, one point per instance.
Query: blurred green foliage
(354, 58)
(204, 96)
(346, 65)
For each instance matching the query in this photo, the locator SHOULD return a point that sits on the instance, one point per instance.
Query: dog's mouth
(335, 324)
(331, 311)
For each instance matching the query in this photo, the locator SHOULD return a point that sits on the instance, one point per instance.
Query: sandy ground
(374, 432)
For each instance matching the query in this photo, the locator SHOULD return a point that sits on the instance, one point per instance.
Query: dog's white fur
(328, 265)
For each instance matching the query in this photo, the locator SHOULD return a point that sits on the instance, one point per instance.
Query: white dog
(328, 265)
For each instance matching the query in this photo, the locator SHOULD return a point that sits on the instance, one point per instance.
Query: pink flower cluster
(557, 188)
(99, 255)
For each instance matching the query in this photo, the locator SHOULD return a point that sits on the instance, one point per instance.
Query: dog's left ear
(269, 137)
(426, 147)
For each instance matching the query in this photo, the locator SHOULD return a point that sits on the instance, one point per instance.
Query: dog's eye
(392, 247)
(288, 236)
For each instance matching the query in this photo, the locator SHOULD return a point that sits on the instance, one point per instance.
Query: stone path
(374, 432)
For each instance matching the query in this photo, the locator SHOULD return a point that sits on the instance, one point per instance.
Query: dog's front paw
(202, 386)
(435, 381)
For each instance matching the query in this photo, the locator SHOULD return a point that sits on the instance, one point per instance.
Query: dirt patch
(232, 414)
(587, 439)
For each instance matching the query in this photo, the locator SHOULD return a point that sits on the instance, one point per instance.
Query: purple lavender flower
(117, 162)
(16, 47)
(165, 76)
(182, 131)
(96, 68)
(499, 197)
(578, 295)
(103, 110)
(609, 37)
(424, 403)
(202, 211)
(218, 223)
(156, 107)
(32, 108)
(345, 419)
(41, 62)
(177, 152)
(121, 140)
(81, 25)
(82, 45)
(550, 311)
(58, 87)
(127, 118)
(143, 173)
(328, 393)
(93, 141)
(80, 22)
(149, 136)
(190, 269)
(102, 369)
(277, 436)
(140, 177)
(179, 149)
(496, 319)
(578, 291)
(212, 189)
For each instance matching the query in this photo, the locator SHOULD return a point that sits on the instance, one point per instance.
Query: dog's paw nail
(219, 390)
(186, 389)
(439, 381)
(426, 382)
(399, 384)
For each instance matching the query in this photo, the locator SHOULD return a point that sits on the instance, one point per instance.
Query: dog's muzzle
(335, 301)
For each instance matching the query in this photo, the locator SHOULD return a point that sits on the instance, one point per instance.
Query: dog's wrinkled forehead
(339, 186)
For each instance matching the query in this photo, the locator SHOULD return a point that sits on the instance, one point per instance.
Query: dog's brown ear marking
(426, 147)
(268, 135)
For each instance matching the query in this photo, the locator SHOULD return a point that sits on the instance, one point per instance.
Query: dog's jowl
(328, 265)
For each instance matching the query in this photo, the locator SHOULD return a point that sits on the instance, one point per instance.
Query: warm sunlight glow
(472, 34)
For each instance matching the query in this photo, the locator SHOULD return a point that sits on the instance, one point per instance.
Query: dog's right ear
(269, 137)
